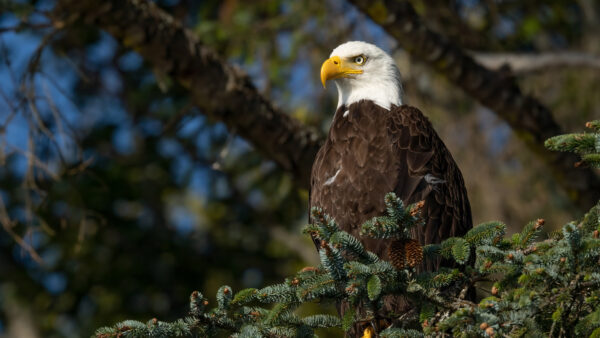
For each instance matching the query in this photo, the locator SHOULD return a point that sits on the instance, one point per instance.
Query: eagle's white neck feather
(380, 81)
(385, 92)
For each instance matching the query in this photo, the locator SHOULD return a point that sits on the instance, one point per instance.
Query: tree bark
(531, 121)
(220, 90)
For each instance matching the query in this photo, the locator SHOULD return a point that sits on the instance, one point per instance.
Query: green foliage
(224, 297)
(397, 223)
(153, 328)
(456, 248)
(244, 296)
(545, 288)
(352, 244)
(400, 333)
(539, 287)
(587, 145)
(322, 321)
(485, 233)
(363, 280)
(374, 287)
(348, 319)
(528, 234)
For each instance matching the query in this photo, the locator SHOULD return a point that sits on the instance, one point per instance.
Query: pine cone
(396, 254)
(405, 252)
(413, 253)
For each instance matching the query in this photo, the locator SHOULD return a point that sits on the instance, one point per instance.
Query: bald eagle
(376, 145)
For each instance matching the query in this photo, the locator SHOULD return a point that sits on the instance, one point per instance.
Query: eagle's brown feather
(372, 151)
(378, 151)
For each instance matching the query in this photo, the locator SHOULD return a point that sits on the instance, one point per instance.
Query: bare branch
(530, 63)
(8, 226)
(34, 162)
(22, 26)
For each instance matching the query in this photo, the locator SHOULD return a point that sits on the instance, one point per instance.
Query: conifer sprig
(534, 283)
(587, 145)
(398, 221)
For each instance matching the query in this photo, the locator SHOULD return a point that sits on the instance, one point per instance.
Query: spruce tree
(532, 287)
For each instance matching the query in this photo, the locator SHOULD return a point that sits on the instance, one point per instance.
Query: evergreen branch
(531, 279)
(529, 233)
(545, 288)
(396, 223)
(593, 160)
(322, 321)
(576, 143)
(382, 227)
(485, 233)
(593, 125)
(587, 145)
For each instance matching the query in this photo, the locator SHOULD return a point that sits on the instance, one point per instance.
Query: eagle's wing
(428, 172)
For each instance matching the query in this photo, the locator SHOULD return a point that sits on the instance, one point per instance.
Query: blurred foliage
(132, 198)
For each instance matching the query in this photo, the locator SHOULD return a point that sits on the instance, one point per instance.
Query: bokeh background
(118, 197)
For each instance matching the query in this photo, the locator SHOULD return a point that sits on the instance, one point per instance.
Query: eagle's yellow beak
(334, 68)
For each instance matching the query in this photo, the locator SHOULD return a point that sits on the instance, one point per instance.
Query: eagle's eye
(359, 60)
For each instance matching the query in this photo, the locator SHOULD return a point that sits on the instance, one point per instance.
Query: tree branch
(530, 120)
(220, 90)
(532, 62)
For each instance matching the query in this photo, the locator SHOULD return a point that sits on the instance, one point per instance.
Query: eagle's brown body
(372, 151)
(378, 151)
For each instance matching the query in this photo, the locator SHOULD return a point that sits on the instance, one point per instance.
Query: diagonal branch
(220, 90)
(532, 121)
(522, 63)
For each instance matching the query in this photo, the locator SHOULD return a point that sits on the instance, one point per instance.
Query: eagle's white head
(362, 71)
